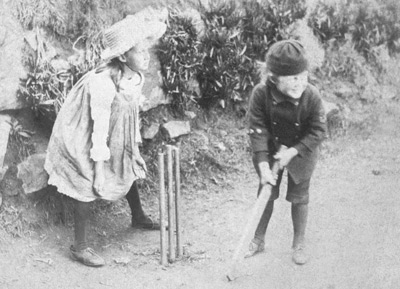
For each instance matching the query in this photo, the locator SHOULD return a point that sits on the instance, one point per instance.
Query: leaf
(25, 134)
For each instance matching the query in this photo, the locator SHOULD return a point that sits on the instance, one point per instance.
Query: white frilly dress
(96, 123)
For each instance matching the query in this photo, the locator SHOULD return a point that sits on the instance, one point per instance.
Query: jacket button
(296, 124)
(276, 138)
(274, 123)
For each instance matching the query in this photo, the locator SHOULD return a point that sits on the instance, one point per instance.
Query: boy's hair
(265, 74)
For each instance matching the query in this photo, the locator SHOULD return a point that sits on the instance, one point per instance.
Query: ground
(353, 236)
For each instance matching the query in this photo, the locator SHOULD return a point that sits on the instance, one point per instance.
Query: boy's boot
(256, 246)
(139, 218)
(81, 252)
(299, 255)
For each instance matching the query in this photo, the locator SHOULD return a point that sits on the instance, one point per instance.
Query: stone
(176, 128)
(190, 114)
(344, 91)
(5, 128)
(154, 96)
(149, 132)
(11, 59)
(329, 107)
(32, 173)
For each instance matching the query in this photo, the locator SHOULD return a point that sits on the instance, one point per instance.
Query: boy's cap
(287, 57)
(127, 33)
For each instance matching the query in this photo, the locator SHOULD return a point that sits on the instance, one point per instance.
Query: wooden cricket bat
(253, 220)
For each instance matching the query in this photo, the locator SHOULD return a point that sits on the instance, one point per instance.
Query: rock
(330, 107)
(5, 131)
(11, 68)
(388, 92)
(221, 146)
(344, 91)
(176, 128)
(190, 114)
(223, 133)
(32, 174)
(149, 132)
(154, 95)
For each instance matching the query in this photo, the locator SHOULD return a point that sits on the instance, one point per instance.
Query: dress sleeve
(102, 92)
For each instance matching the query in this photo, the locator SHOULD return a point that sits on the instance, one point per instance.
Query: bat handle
(276, 167)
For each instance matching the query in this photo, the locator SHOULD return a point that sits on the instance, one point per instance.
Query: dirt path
(353, 233)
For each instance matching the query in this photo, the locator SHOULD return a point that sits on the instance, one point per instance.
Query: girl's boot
(81, 251)
(139, 218)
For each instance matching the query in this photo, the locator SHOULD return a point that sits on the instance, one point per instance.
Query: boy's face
(138, 57)
(293, 85)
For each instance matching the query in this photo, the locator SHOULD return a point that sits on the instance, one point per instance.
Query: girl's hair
(115, 66)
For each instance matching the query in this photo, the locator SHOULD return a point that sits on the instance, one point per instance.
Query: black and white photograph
(200, 144)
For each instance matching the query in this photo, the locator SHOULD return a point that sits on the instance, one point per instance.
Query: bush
(77, 25)
(179, 57)
(369, 23)
(223, 57)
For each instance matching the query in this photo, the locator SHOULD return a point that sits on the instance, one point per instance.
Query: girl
(285, 110)
(93, 151)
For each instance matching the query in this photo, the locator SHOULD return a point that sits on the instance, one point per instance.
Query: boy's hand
(266, 176)
(285, 156)
(99, 177)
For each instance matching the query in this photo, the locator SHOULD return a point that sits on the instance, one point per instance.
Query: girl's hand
(99, 178)
(285, 156)
(140, 162)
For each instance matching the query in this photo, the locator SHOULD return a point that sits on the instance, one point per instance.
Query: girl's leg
(134, 202)
(81, 218)
(139, 218)
(81, 251)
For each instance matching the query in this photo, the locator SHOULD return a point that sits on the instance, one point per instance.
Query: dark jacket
(275, 119)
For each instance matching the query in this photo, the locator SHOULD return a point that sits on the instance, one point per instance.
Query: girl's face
(293, 85)
(137, 58)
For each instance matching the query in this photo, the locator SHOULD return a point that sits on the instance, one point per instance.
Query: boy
(285, 110)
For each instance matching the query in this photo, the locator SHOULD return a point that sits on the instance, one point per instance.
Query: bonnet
(130, 31)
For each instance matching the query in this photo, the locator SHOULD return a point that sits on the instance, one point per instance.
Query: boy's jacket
(275, 119)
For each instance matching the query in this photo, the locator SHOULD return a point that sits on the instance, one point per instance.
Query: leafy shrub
(370, 24)
(75, 24)
(20, 139)
(222, 58)
(178, 53)
(223, 64)
(265, 21)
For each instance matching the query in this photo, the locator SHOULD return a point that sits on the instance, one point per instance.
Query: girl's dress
(96, 123)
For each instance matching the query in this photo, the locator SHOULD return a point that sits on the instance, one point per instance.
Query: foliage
(44, 89)
(343, 62)
(179, 59)
(369, 23)
(20, 138)
(210, 54)
(265, 22)
(219, 76)
(75, 24)
(223, 57)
